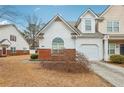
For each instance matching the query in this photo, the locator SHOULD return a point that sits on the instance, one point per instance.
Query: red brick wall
(18, 52)
(45, 54)
(0, 53)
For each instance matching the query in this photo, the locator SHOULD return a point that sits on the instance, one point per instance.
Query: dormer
(87, 22)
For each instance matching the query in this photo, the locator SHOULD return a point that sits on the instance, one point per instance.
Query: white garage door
(90, 51)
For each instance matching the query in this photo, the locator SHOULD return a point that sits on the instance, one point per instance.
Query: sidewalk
(111, 73)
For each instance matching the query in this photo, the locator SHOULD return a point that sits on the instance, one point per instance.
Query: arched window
(57, 45)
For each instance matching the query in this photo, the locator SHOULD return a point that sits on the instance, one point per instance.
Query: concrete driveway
(113, 74)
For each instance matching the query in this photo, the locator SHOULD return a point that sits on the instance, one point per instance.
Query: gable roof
(91, 11)
(106, 10)
(72, 23)
(84, 13)
(65, 22)
(3, 42)
(5, 25)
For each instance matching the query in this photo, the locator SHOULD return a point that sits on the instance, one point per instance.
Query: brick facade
(0, 52)
(45, 54)
(18, 52)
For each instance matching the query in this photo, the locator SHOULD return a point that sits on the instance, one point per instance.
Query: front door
(122, 49)
(4, 51)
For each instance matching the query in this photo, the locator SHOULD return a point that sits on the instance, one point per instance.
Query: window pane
(14, 49)
(116, 29)
(109, 29)
(113, 26)
(88, 25)
(11, 49)
(111, 48)
(112, 51)
(109, 26)
(54, 46)
(57, 45)
(116, 26)
(88, 28)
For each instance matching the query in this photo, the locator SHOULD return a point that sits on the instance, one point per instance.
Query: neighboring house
(11, 41)
(112, 26)
(95, 36)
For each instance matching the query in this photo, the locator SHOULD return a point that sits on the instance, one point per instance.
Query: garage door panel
(91, 51)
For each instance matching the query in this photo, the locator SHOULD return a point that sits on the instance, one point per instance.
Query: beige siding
(114, 13)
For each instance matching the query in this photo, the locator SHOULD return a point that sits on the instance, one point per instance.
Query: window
(13, 49)
(87, 25)
(113, 26)
(112, 47)
(109, 26)
(12, 38)
(57, 45)
(116, 26)
(25, 49)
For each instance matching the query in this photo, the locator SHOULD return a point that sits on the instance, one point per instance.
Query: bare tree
(34, 25)
(31, 24)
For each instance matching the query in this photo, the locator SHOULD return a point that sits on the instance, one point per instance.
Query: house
(97, 37)
(112, 26)
(11, 41)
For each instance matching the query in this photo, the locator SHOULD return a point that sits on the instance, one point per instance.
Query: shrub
(34, 56)
(117, 59)
(78, 64)
(83, 61)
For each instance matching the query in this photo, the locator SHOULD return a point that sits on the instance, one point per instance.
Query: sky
(46, 12)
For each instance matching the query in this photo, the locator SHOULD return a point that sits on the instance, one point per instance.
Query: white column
(106, 55)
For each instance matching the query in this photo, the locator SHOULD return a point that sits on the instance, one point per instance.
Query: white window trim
(12, 50)
(58, 47)
(109, 48)
(113, 26)
(24, 49)
(85, 24)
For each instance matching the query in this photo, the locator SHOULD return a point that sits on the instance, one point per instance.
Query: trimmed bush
(34, 56)
(117, 59)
